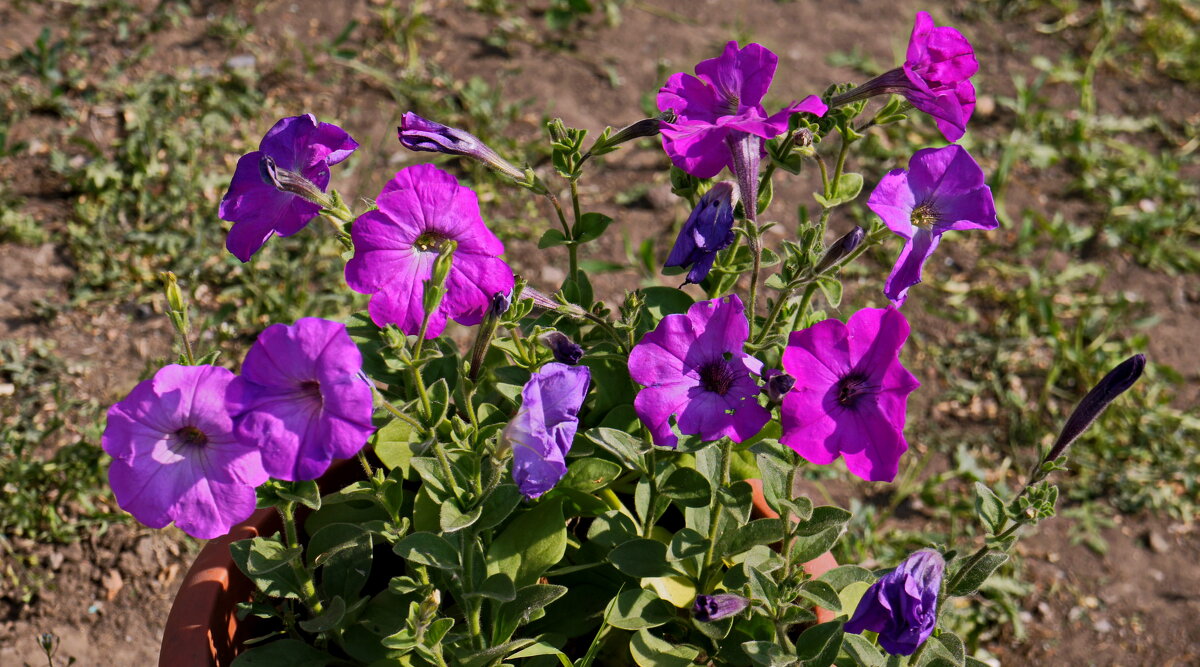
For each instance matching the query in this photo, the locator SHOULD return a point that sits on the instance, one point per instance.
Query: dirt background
(1137, 605)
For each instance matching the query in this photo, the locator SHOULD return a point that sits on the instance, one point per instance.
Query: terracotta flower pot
(202, 628)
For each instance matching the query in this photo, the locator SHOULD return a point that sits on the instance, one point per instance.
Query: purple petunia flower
(276, 189)
(542, 432)
(708, 230)
(902, 605)
(301, 398)
(175, 456)
(396, 245)
(935, 77)
(943, 189)
(709, 608)
(721, 104)
(850, 393)
(693, 367)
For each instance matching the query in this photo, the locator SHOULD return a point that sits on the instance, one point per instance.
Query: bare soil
(107, 597)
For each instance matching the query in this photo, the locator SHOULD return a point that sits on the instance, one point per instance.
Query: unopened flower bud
(420, 134)
(291, 182)
(709, 608)
(565, 350)
(542, 301)
(840, 249)
(435, 289)
(501, 302)
(1105, 392)
(776, 384)
(174, 295)
(647, 127)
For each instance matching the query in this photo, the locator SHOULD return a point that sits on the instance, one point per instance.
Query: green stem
(755, 244)
(474, 604)
(307, 588)
(648, 525)
(805, 300)
(714, 514)
(366, 465)
(400, 415)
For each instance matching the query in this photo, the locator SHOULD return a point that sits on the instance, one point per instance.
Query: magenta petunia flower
(543, 430)
(273, 188)
(721, 105)
(175, 456)
(902, 605)
(850, 393)
(935, 77)
(396, 245)
(942, 190)
(694, 369)
(301, 398)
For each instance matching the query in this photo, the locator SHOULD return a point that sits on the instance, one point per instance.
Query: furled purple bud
(647, 127)
(542, 301)
(708, 230)
(709, 608)
(776, 384)
(902, 605)
(840, 249)
(565, 350)
(420, 134)
(501, 302)
(1106, 391)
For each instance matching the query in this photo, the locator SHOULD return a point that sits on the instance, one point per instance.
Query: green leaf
(499, 587)
(862, 651)
(453, 519)
(498, 505)
(969, 581)
(393, 444)
(335, 611)
(663, 301)
(650, 651)
(765, 654)
(344, 552)
(815, 536)
(640, 558)
(551, 238)
(848, 187)
(638, 609)
(590, 474)
(428, 549)
(687, 487)
(305, 493)
(989, 508)
(832, 289)
(822, 594)
(687, 543)
(818, 645)
(264, 560)
(590, 227)
(290, 652)
(759, 531)
(625, 447)
(528, 602)
(531, 544)
(842, 576)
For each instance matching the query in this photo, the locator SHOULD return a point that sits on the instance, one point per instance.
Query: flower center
(312, 389)
(190, 435)
(924, 215)
(718, 377)
(429, 242)
(851, 387)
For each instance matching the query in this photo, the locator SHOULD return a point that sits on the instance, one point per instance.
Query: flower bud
(776, 384)
(174, 295)
(1105, 392)
(435, 289)
(420, 134)
(647, 127)
(565, 350)
(501, 302)
(840, 249)
(542, 301)
(709, 608)
(707, 231)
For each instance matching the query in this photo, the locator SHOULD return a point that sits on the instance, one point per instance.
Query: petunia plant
(566, 481)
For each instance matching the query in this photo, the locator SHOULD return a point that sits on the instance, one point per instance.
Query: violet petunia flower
(935, 77)
(942, 190)
(902, 605)
(301, 398)
(720, 120)
(693, 367)
(175, 456)
(280, 187)
(709, 608)
(850, 394)
(396, 245)
(421, 134)
(543, 430)
(707, 231)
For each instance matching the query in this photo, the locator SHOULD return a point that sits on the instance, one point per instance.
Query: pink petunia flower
(850, 394)
(694, 369)
(175, 456)
(396, 245)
